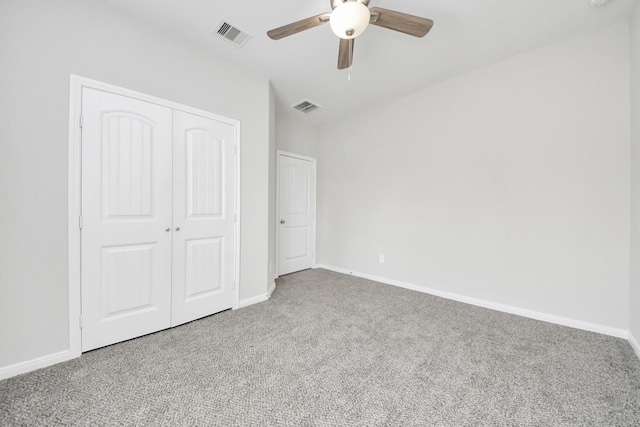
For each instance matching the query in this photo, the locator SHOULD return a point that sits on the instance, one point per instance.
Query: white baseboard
(586, 326)
(258, 298)
(253, 300)
(271, 289)
(32, 365)
(634, 344)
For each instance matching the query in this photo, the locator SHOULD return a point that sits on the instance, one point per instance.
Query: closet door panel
(126, 210)
(203, 238)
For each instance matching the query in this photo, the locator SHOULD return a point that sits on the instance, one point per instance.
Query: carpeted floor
(334, 350)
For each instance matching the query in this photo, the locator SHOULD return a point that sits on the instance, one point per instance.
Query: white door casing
(126, 208)
(203, 217)
(296, 194)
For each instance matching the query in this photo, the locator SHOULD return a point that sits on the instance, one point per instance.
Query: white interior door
(296, 212)
(126, 218)
(203, 217)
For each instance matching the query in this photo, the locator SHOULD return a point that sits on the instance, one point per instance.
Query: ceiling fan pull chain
(350, 56)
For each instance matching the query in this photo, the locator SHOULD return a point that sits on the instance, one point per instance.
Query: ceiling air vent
(232, 34)
(305, 106)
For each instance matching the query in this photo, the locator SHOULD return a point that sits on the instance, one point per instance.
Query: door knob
(282, 221)
(177, 228)
(167, 229)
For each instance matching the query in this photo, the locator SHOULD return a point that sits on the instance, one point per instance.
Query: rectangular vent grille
(306, 106)
(232, 34)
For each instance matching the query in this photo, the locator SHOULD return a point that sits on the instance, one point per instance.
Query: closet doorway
(157, 215)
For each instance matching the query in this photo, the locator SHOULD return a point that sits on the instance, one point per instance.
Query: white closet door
(203, 217)
(126, 218)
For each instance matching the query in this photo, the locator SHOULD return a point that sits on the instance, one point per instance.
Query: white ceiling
(467, 34)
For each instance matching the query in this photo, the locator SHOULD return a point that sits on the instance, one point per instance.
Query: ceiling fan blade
(345, 54)
(402, 22)
(298, 26)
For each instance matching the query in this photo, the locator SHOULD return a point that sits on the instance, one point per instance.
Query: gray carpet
(334, 350)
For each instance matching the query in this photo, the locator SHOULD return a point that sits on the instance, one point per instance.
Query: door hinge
(80, 321)
(81, 120)
(80, 222)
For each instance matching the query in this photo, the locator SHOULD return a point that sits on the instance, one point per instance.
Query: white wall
(295, 136)
(634, 25)
(509, 184)
(42, 43)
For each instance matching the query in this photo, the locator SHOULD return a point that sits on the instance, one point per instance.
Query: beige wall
(509, 184)
(43, 42)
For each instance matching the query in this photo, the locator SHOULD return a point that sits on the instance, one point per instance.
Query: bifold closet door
(203, 216)
(126, 218)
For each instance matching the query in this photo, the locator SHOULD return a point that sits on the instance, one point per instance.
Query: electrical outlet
(381, 259)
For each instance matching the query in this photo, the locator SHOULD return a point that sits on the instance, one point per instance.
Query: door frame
(76, 85)
(279, 154)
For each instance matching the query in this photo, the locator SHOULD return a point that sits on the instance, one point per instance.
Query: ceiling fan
(349, 18)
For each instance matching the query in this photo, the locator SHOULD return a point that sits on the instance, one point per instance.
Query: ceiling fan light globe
(350, 19)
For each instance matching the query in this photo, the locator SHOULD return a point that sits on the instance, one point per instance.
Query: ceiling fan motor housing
(336, 3)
